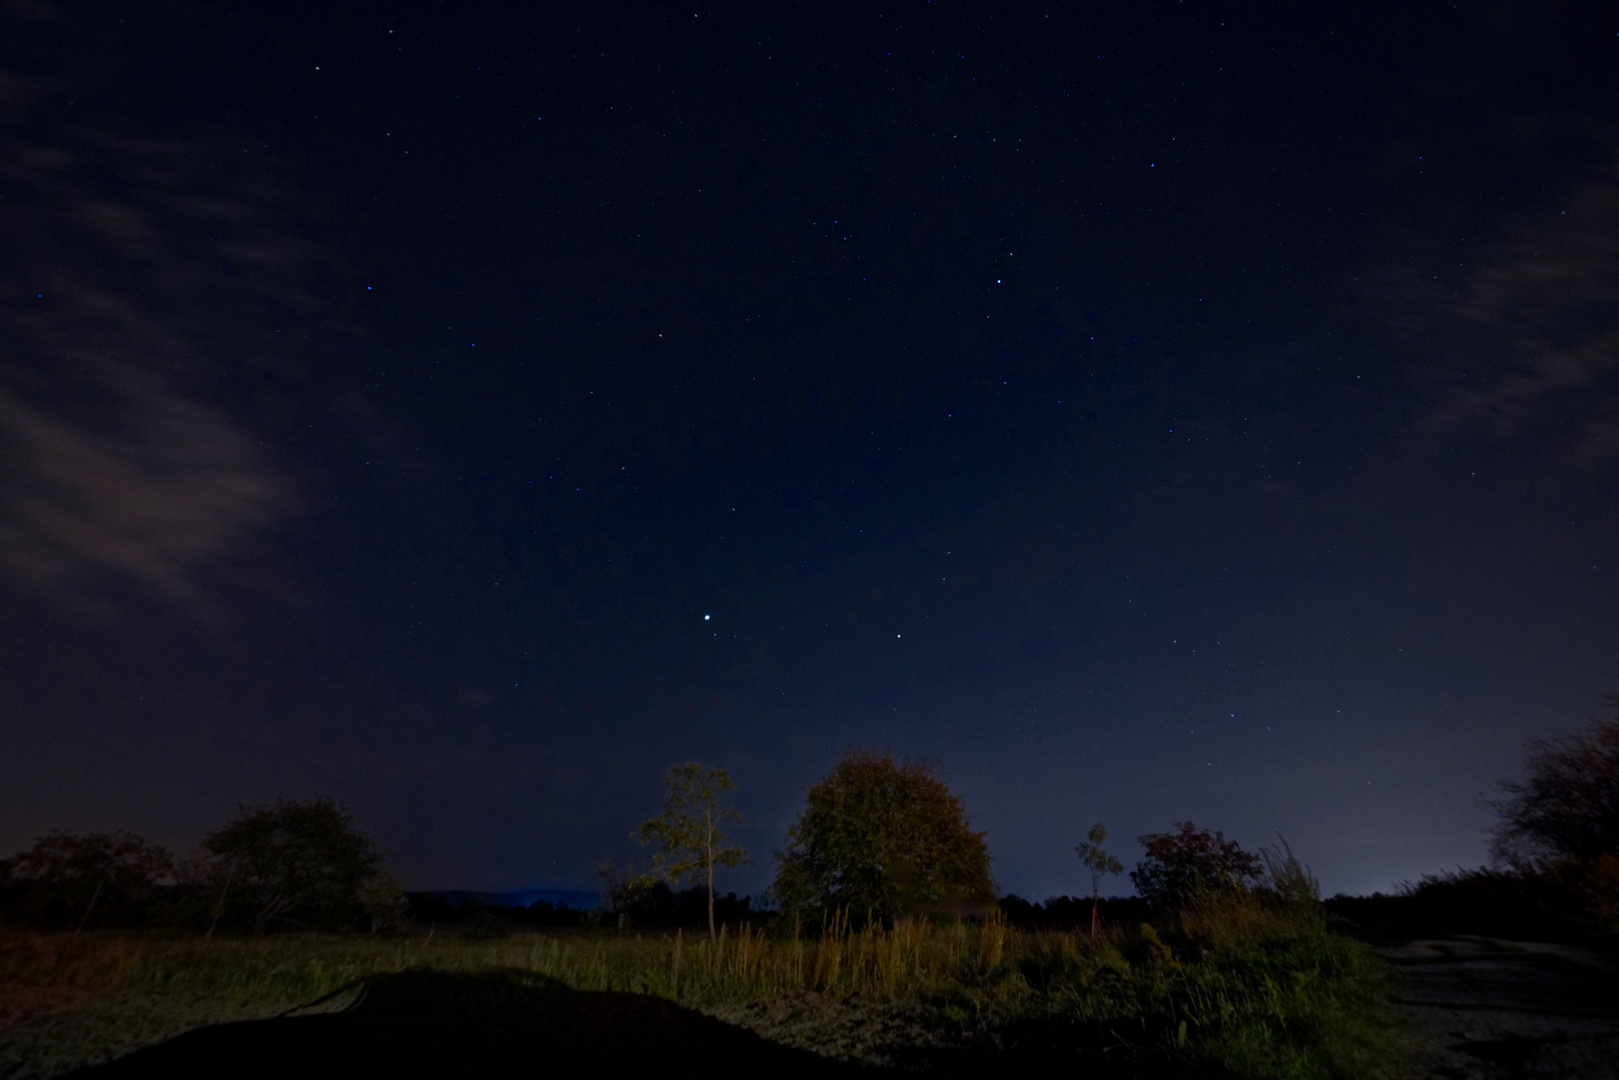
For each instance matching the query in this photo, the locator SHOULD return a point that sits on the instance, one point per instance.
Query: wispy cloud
(165, 487)
(1541, 311)
(123, 260)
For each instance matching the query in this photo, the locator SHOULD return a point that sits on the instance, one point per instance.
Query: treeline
(1073, 912)
(880, 840)
(658, 906)
(661, 907)
(877, 841)
(289, 865)
(1522, 904)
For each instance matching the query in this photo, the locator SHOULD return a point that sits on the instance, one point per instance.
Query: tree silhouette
(688, 833)
(70, 876)
(876, 836)
(1099, 863)
(303, 864)
(1566, 806)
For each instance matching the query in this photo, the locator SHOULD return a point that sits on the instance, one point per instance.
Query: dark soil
(435, 1024)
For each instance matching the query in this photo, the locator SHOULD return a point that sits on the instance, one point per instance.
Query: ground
(1483, 1009)
(1468, 1008)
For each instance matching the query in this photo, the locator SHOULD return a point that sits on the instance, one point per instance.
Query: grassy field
(1242, 992)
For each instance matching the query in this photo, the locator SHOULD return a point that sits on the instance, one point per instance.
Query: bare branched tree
(1565, 808)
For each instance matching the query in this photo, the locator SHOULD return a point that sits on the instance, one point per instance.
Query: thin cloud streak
(181, 487)
(124, 259)
(1546, 302)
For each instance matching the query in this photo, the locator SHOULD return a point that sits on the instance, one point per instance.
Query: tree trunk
(97, 894)
(219, 906)
(712, 936)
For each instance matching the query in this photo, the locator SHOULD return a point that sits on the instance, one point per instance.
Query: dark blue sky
(1147, 413)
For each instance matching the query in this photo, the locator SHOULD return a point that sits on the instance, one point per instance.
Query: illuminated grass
(1272, 1000)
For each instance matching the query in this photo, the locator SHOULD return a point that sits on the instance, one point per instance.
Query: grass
(1243, 992)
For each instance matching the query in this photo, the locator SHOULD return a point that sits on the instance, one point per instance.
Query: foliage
(655, 904)
(294, 864)
(690, 841)
(1283, 1001)
(876, 836)
(1101, 864)
(1566, 806)
(1096, 858)
(1069, 912)
(69, 879)
(385, 904)
(621, 886)
(1565, 903)
(1287, 881)
(1596, 883)
(1181, 865)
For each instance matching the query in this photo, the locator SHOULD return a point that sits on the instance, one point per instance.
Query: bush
(1189, 862)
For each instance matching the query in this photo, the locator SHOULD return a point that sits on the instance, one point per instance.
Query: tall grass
(909, 960)
(1248, 991)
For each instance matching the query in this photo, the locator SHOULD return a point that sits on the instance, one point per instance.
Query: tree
(1189, 863)
(1565, 809)
(385, 903)
(876, 836)
(619, 889)
(67, 876)
(690, 841)
(1099, 863)
(296, 863)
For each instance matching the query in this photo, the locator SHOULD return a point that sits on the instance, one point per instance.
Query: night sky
(1143, 411)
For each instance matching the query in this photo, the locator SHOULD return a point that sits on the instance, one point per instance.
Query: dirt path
(1492, 1010)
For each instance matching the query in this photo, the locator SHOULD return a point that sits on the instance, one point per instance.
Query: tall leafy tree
(877, 835)
(295, 864)
(688, 832)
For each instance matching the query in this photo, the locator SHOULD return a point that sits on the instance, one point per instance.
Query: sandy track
(1491, 1010)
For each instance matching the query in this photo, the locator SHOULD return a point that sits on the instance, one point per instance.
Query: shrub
(1181, 865)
